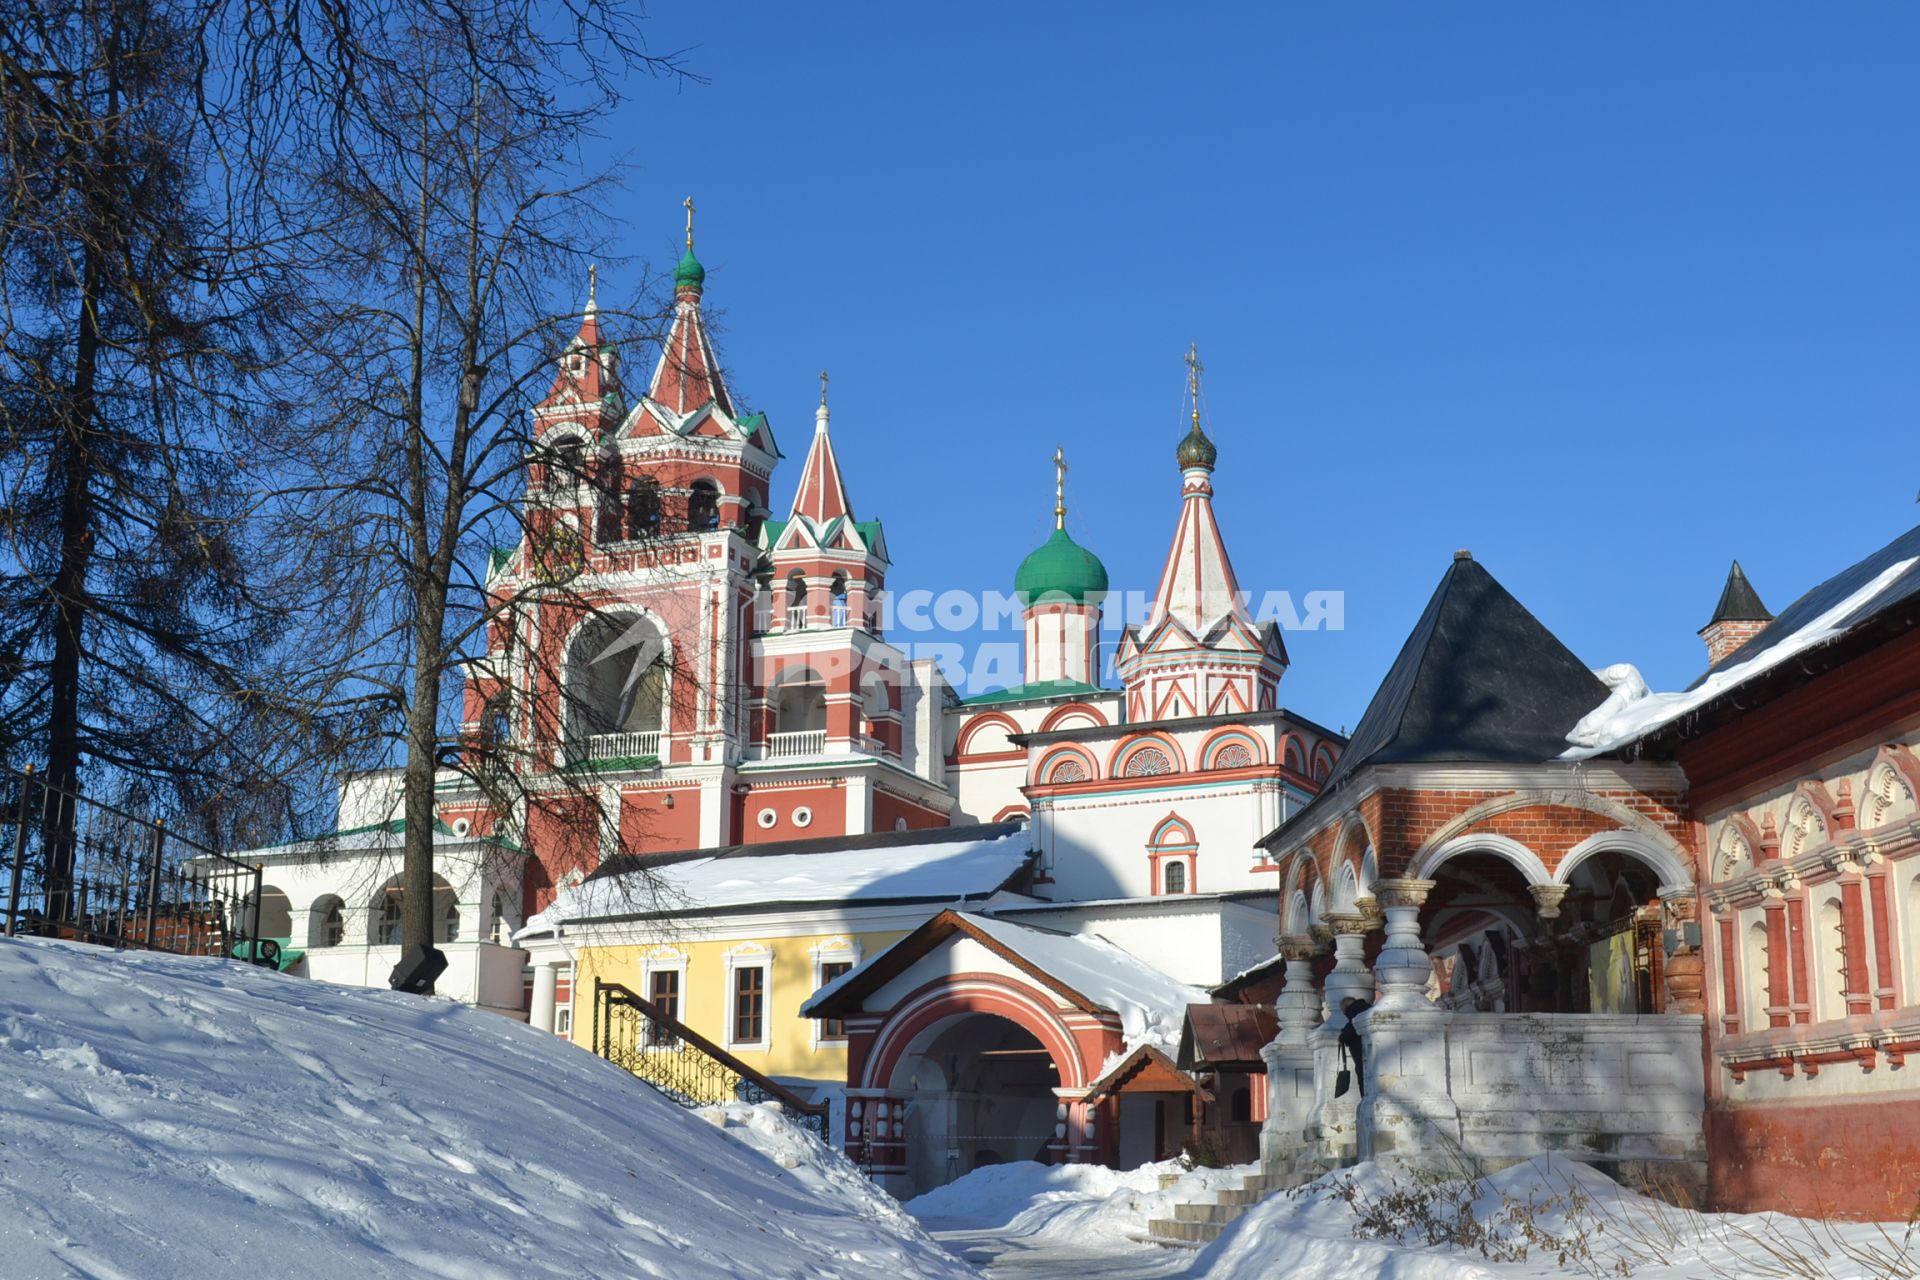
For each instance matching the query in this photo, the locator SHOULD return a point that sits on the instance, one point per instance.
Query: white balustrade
(807, 742)
(616, 746)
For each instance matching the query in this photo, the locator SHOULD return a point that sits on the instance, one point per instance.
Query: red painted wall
(829, 805)
(1843, 1158)
(889, 809)
(647, 825)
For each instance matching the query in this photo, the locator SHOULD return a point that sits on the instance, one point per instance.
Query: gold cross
(689, 203)
(1194, 370)
(823, 388)
(1059, 488)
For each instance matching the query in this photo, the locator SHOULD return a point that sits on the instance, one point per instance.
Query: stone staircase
(1200, 1222)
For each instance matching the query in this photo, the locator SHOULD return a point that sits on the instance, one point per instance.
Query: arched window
(800, 703)
(1240, 1107)
(837, 606)
(703, 506)
(567, 463)
(1174, 876)
(497, 928)
(796, 602)
(1292, 757)
(756, 513)
(616, 680)
(388, 934)
(496, 720)
(329, 922)
(386, 918)
(643, 509)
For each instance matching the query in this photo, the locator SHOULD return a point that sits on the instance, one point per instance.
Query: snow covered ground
(1551, 1217)
(1027, 1219)
(173, 1116)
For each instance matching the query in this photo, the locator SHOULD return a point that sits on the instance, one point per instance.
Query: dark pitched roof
(878, 841)
(1896, 596)
(1479, 680)
(1739, 602)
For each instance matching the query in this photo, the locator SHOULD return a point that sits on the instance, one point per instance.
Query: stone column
(1403, 967)
(1407, 1114)
(1332, 1126)
(545, 986)
(1289, 1059)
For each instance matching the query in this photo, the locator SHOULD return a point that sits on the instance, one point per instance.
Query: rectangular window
(833, 1028)
(664, 992)
(749, 1004)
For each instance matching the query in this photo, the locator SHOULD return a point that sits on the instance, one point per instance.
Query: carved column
(1403, 967)
(1289, 1060)
(1350, 976)
(1407, 1113)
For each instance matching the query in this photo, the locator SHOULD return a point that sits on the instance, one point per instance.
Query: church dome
(1060, 568)
(689, 274)
(1196, 450)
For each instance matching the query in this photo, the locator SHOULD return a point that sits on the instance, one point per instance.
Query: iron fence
(633, 1033)
(84, 870)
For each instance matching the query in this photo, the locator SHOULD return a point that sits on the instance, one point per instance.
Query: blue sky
(1609, 295)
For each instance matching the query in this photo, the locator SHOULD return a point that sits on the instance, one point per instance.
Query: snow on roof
(1632, 711)
(944, 871)
(1152, 1006)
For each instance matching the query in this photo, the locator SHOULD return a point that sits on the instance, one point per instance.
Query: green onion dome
(1060, 568)
(1196, 450)
(689, 274)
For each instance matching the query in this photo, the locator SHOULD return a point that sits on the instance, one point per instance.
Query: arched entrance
(977, 1089)
(1506, 936)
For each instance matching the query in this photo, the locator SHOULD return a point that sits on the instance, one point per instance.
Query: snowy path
(1003, 1257)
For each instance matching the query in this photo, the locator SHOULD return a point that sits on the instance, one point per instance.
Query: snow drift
(169, 1116)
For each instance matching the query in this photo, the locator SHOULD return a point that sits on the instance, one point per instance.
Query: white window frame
(670, 960)
(749, 955)
(563, 1013)
(840, 950)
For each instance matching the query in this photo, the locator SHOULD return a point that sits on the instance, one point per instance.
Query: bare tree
(437, 206)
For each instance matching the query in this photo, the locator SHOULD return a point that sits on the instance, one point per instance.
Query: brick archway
(1076, 1054)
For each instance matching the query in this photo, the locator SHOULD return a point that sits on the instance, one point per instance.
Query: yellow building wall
(706, 1002)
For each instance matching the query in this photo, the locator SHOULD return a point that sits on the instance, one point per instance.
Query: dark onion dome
(689, 274)
(1060, 568)
(1196, 450)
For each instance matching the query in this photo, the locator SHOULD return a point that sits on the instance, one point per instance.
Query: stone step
(1203, 1212)
(1180, 1232)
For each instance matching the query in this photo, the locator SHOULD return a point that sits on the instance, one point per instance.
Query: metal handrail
(90, 872)
(682, 1064)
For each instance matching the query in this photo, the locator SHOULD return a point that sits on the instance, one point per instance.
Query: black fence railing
(632, 1032)
(79, 869)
